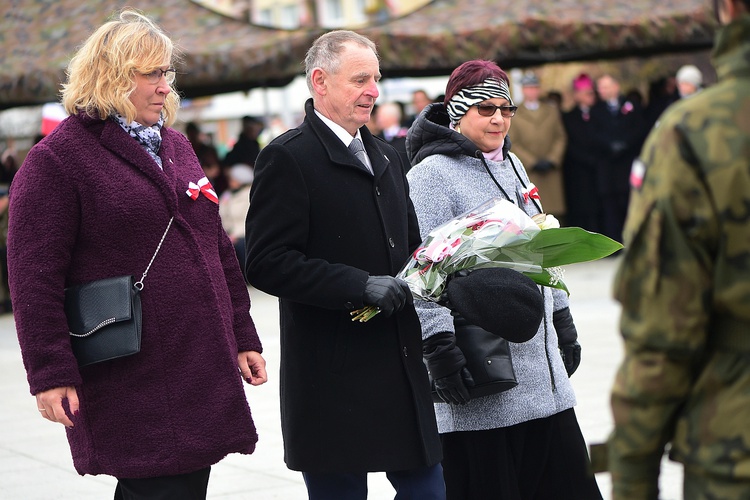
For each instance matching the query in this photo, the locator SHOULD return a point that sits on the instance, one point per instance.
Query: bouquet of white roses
(497, 234)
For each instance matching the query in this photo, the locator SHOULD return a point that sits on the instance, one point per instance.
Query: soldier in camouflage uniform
(684, 285)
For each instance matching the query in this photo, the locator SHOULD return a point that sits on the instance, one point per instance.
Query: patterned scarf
(464, 99)
(148, 137)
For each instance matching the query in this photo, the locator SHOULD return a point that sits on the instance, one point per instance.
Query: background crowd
(579, 155)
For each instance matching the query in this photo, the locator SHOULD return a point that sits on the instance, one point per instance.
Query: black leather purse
(104, 319)
(488, 360)
(104, 316)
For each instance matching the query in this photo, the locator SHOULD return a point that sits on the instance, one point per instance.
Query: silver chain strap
(139, 284)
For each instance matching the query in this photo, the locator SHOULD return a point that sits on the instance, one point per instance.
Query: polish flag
(52, 114)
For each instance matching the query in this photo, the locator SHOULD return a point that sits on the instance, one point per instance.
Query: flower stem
(365, 314)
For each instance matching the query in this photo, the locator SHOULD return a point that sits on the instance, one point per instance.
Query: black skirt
(543, 459)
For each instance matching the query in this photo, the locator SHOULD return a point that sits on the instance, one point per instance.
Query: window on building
(265, 17)
(333, 14)
(290, 16)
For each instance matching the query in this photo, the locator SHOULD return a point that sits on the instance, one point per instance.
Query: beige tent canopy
(222, 54)
(444, 33)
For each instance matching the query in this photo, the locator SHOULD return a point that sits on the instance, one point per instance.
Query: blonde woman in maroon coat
(92, 201)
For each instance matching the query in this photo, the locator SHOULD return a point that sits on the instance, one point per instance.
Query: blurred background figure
(619, 129)
(372, 124)
(579, 164)
(247, 147)
(555, 98)
(8, 168)
(419, 101)
(388, 122)
(208, 157)
(689, 80)
(539, 140)
(661, 93)
(233, 206)
(274, 128)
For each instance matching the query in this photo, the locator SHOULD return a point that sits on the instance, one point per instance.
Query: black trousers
(543, 459)
(192, 486)
(425, 483)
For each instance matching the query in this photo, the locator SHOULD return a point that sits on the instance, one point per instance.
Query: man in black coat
(619, 131)
(326, 232)
(580, 162)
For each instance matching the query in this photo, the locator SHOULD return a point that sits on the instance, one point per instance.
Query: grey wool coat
(90, 203)
(447, 179)
(354, 396)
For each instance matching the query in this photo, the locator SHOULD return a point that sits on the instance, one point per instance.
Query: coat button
(391, 243)
(406, 352)
(377, 190)
(349, 305)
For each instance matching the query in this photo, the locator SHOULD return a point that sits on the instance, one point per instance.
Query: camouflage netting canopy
(444, 33)
(221, 54)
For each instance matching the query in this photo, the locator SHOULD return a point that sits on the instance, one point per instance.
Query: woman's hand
(253, 367)
(50, 404)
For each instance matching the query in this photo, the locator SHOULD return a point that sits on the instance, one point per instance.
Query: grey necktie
(358, 149)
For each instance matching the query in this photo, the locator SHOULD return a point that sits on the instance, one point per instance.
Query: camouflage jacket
(684, 286)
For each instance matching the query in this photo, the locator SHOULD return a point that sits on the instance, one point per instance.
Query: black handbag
(488, 360)
(104, 319)
(104, 316)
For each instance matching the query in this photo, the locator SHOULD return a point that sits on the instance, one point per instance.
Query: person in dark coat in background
(92, 201)
(579, 164)
(247, 147)
(619, 131)
(326, 232)
(390, 129)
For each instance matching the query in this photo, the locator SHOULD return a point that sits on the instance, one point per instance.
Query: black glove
(453, 388)
(567, 339)
(543, 166)
(447, 366)
(387, 293)
(571, 355)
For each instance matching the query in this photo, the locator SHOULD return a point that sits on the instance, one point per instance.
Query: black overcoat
(354, 396)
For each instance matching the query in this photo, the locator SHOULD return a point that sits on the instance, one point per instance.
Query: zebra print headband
(460, 103)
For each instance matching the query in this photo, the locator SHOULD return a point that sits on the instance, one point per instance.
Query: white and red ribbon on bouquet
(531, 192)
(203, 186)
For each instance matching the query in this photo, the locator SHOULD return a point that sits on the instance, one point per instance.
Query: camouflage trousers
(701, 487)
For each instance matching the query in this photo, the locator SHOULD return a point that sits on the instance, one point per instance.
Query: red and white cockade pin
(530, 192)
(203, 186)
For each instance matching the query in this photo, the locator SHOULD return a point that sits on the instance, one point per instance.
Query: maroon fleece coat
(90, 203)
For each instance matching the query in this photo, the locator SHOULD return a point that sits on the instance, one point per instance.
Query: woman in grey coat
(523, 443)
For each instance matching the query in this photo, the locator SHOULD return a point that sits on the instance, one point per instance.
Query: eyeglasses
(155, 76)
(490, 110)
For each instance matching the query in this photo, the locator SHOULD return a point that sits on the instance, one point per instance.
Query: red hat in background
(583, 82)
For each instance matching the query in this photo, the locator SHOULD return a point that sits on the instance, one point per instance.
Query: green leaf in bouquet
(570, 245)
(544, 278)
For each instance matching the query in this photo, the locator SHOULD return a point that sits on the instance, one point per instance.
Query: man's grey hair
(325, 52)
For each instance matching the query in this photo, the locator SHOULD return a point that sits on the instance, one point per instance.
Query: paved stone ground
(35, 461)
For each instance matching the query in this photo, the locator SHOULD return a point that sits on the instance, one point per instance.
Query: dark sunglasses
(490, 110)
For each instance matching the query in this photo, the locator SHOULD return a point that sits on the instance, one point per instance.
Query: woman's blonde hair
(101, 75)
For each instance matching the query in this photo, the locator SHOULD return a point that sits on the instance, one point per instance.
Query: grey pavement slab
(35, 462)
